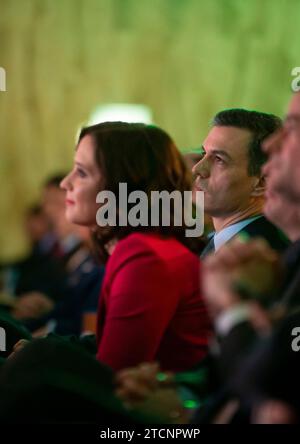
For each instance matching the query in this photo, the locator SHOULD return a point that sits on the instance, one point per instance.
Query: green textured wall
(186, 59)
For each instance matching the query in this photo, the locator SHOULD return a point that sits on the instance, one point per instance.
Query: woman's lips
(69, 202)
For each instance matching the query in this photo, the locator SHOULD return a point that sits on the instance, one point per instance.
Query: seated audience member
(266, 304)
(38, 271)
(76, 312)
(42, 280)
(150, 304)
(230, 175)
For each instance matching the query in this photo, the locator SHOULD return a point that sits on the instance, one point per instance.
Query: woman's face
(82, 185)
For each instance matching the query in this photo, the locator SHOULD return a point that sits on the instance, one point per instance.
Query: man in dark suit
(229, 173)
(252, 262)
(282, 207)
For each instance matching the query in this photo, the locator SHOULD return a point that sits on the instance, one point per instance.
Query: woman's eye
(81, 173)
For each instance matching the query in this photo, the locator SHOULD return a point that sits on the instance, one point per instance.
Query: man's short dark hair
(261, 125)
(34, 210)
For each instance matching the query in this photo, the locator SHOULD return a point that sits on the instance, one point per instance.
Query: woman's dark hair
(146, 158)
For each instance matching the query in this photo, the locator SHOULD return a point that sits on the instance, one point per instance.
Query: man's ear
(259, 186)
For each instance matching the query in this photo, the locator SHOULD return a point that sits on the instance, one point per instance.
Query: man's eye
(288, 126)
(219, 159)
(291, 126)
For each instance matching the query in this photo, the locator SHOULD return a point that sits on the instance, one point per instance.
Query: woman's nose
(65, 184)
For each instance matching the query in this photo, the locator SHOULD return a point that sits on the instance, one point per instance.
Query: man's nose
(202, 168)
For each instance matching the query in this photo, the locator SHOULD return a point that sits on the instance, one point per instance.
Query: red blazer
(150, 306)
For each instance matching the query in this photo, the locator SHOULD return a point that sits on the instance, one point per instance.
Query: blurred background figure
(38, 228)
(56, 287)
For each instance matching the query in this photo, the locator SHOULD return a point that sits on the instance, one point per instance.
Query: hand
(41, 332)
(137, 383)
(253, 266)
(274, 411)
(150, 392)
(18, 347)
(32, 305)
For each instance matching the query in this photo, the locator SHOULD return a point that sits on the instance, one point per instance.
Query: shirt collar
(228, 233)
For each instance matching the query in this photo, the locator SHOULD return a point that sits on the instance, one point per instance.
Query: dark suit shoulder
(263, 228)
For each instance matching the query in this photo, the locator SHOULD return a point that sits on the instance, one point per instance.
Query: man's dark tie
(210, 248)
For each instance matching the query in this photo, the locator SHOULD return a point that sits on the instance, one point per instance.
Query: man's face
(36, 226)
(222, 173)
(53, 200)
(283, 167)
(280, 211)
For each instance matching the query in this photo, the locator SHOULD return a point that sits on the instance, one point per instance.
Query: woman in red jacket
(150, 306)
